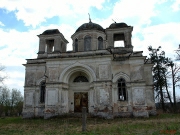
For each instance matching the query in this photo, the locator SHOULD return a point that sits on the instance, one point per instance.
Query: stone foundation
(144, 114)
(27, 115)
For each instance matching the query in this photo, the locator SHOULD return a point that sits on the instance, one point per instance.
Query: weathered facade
(110, 81)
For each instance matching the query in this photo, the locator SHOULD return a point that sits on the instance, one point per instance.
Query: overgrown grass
(155, 125)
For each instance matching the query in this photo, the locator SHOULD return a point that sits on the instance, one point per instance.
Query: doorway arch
(77, 67)
(79, 78)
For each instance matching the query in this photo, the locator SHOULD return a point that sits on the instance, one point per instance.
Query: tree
(4, 99)
(166, 87)
(3, 93)
(159, 69)
(175, 69)
(11, 101)
(15, 101)
(164, 69)
(178, 53)
(2, 76)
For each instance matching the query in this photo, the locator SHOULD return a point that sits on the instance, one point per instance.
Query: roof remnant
(51, 32)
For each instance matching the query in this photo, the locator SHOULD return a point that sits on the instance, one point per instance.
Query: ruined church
(101, 73)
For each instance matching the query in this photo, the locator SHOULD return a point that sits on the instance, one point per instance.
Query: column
(42, 44)
(57, 42)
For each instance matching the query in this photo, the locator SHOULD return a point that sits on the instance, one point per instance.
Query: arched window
(100, 43)
(122, 94)
(87, 43)
(42, 92)
(80, 79)
(76, 45)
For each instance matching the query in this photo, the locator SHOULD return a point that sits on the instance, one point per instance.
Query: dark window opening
(87, 43)
(122, 95)
(100, 43)
(49, 46)
(119, 40)
(80, 79)
(76, 45)
(42, 92)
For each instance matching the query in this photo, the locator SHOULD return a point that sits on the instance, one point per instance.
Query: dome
(90, 26)
(118, 25)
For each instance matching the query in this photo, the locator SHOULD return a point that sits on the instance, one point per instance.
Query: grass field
(155, 125)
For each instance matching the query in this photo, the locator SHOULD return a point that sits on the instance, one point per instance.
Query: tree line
(166, 77)
(11, 100)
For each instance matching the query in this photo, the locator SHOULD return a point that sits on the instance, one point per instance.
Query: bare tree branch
(2, 76)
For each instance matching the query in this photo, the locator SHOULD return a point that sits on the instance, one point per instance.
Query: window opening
(80, 79)
(50, 45)
(119, 40)
(122, 95)
(76, 45)
(42, 92)
(118, 43)
(87, 43)
(100, 43)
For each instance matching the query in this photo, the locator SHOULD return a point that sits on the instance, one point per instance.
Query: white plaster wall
(91, 101)
(138, 94)
(29, 99)
(51, 97)
(104, 96)
(64, 101)
(71, 100)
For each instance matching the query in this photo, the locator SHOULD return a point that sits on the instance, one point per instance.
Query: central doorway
(80, 100)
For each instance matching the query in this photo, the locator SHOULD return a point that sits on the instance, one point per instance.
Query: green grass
(155, 125)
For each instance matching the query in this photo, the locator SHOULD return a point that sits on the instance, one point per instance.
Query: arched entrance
(79, 78)
(79, 86)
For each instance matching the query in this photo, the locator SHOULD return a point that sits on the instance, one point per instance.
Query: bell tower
(51, 41)
(119, 32)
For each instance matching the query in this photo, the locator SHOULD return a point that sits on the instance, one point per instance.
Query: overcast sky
(155, 22)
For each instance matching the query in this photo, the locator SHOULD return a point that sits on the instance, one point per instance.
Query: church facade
(109, 80)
